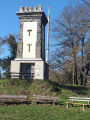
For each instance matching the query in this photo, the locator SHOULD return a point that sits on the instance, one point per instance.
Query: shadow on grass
(81, 90)
(56, 87)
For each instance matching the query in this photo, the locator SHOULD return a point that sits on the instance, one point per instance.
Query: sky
(9, 22)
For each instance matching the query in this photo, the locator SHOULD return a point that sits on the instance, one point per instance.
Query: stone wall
(39, 67)
(35, 15)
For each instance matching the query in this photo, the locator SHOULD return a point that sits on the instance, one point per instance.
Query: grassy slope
(41, 87)
(39, 112)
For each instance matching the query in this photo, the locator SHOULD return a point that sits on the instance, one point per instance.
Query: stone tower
(30, 60)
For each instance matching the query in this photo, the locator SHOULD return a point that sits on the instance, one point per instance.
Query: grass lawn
(42, 112)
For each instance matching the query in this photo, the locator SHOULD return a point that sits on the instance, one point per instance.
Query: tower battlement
(31, 9)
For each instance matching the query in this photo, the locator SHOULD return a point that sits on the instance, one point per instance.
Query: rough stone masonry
(30, 60)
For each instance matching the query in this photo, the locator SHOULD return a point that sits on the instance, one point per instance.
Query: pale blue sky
(9, 22)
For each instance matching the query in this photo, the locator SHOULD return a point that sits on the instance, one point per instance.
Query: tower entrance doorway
(27, 70)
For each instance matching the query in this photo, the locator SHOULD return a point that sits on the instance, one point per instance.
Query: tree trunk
(82, 56)
(74, 74)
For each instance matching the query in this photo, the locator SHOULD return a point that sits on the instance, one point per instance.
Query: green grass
(2, 81)
(42, 112)
(41, 87)
(46, 112)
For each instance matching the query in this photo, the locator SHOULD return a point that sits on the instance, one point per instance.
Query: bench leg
(72, 105)
(35, 102)
(89, 105)
(67, 105)
(53, 103)
(83, 107)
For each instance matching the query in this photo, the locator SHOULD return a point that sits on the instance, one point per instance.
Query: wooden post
(89, 102)
(67, 105)
(83, 108)
(53, 103)
(88, 105)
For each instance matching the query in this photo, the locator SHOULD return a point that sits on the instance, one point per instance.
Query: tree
(82, 24)
(64, 28)
(86, 2)
(2, 42)
(12, 47)
(70, 31)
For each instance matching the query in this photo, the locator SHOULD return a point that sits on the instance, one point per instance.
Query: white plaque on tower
(29, 39)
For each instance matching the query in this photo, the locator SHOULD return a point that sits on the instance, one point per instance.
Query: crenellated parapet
(31, 9)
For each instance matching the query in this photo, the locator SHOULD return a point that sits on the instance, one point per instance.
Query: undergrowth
(41, 87)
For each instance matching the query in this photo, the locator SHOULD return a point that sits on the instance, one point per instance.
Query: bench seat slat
(76, 103)
(37, 96)
(44, 98)
(78, 100)
(43, 101)
(13, 96)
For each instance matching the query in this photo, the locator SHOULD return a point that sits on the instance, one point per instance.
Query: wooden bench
(44, 99)
(80, 99)
(13, 98)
